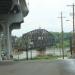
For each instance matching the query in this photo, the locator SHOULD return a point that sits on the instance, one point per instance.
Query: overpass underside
(12, 13)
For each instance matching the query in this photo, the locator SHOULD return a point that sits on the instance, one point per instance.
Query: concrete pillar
(11, 51)
(0, 47)
(7, 40)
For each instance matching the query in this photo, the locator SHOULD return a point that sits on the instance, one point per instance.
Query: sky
(44, 14)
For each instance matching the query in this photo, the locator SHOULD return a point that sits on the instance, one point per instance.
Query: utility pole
(73, 14)
(73, 5)
(61, 17)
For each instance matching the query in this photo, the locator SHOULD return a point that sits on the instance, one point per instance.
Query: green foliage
(66, 39)
(66, 43)
(51, 57)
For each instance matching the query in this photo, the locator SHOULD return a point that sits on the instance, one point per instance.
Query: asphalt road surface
(56, 67)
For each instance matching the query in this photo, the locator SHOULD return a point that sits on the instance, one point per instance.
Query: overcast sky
(44, 14)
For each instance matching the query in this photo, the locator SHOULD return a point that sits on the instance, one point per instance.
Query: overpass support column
(0, 46)
(11, 49)
(7, 40)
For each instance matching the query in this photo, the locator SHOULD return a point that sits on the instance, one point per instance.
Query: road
(55, 67)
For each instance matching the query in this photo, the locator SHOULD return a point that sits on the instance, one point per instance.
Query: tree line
(18, 41)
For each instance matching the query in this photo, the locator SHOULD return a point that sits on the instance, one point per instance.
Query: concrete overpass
(12, 13)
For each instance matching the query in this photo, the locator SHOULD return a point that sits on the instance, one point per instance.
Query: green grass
(42, 57)
(45, 57)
